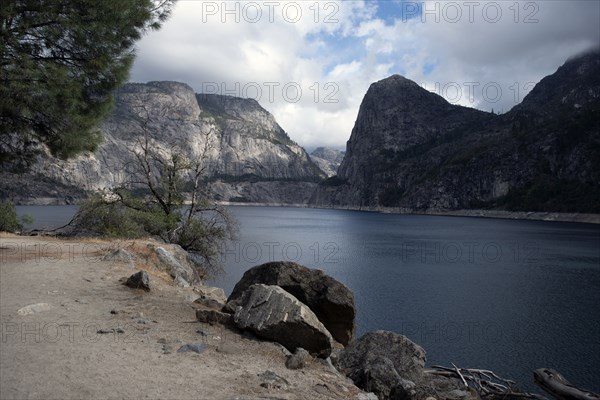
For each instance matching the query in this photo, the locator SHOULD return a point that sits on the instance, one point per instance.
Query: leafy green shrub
(8, 217)
(9, 222)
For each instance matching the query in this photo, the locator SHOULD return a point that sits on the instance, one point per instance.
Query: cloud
(310, 63)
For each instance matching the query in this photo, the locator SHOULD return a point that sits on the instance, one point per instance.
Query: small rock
(298, 360)
(201, 332)
(214, 293)
(137, 315)
(168, 348)
(139, 280)
(34, 308)
(111, 330)
(193, 347)
(272, 381)
(114, 312)
(214, 317)
(162, 341)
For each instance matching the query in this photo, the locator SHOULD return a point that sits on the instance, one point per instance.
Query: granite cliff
(413, 150)
(249, 157)
(328, 160)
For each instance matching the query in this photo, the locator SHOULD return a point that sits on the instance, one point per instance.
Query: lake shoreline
(583, 218)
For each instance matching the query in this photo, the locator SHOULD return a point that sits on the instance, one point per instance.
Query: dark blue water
(505, 295)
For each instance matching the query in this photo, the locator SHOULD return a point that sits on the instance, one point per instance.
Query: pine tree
(61, 60)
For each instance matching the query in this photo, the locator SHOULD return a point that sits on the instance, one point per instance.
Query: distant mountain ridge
(413, 150)
(250, 157)
(409, 149)
(328, 160)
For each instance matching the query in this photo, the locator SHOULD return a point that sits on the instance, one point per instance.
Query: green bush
(9, 222)
(8, 217)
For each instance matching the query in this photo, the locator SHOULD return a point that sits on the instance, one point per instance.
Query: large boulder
(331, 301)
(385, 363)
(274, 314)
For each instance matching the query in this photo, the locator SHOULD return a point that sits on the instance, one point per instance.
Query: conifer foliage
(61, 60)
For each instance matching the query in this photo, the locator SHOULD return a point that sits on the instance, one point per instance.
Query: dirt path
(56, 352)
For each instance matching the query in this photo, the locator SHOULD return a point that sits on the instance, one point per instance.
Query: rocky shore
(132, 319)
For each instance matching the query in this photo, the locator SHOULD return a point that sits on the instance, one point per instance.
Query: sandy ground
(56, 351)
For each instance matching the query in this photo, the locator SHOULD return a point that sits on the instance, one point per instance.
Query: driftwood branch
(560, 388)
(486, 383)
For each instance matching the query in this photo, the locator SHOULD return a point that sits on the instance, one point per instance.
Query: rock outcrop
(248, 156)
(180, 270)
(331, 301)
(411, 149)
(274, 314)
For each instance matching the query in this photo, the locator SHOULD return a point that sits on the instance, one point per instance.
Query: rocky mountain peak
(404, 94)
(395, 115)
(411, 149)
(574, 84)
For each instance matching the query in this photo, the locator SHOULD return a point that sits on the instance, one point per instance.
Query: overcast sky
(310, 63)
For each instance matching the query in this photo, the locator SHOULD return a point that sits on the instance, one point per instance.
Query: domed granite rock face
(330, 300)
(249, 157)
(412, 149)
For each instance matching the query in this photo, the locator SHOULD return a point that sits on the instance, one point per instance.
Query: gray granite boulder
(330, 300)
(385, 363)
(274, 314)
(180, 270)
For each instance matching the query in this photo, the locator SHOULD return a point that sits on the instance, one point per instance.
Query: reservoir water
(505, 295)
